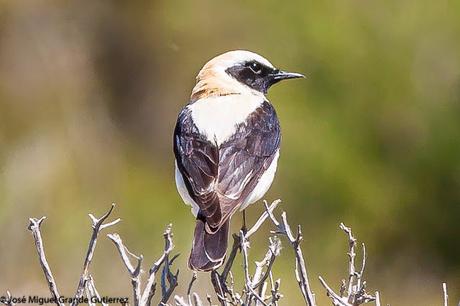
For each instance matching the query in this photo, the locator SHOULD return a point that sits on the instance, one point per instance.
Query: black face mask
(258, 76)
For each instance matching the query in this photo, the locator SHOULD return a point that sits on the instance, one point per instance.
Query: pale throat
(217, 117)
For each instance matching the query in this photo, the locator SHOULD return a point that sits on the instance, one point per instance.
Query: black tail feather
(208, 250)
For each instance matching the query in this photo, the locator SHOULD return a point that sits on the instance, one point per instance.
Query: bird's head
(238, 72)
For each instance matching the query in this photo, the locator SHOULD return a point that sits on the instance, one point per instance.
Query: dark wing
(220, 179)
(246, 155)
(198, 161)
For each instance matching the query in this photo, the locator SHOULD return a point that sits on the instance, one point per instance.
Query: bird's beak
(283, 75)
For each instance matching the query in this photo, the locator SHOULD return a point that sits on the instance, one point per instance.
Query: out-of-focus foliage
(89, 92)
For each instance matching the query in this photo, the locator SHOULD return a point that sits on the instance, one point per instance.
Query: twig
(377, 298)
(134, 271)
(149, 289)
(196, 299)
(269, 259)
(445, 296)
(180, 301)
(230, 260)
(255, 286)
(351, 254)
(359, 281)
(34, 227)
(353, 291)
(336, 299)
(276, 296)
(92, 291)
(190, 285)
(216, 281)
(193, 298)
(244, 251)
(263, 217)
(301, 269)
(7, 300)
(144, 297)
(168, 277)
(98, 225)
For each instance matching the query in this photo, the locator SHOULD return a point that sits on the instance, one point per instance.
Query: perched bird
(226, 144)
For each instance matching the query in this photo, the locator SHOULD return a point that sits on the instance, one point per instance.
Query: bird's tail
(209, 249)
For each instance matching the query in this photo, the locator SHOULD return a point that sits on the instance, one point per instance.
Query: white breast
(217, 117)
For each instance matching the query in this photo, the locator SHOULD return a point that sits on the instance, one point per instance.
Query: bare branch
(208, 298)
(259, 289)
(218, 287)
(98, 225)
(7, 300)
(192, 297)
(377, 298)
(193, 301)
(353, 291)
(359, 276)
(180, 301)
(149, 289)
(196, 299)
(351, 255)
(91, 291)
(34, 227)
(263, 217)
(168, 277)
(144, 297)
(445, 296)
(301, 269)
(190, 285)
(134, 272)
(231, 258)
(248, 283)
(275, 287)
(220, 283)
(336, 299)
(268, 261)
(255, 286)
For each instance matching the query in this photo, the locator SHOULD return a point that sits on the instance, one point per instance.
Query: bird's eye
(256, 67)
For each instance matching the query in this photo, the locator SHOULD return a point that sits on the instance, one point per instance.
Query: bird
(226, 144)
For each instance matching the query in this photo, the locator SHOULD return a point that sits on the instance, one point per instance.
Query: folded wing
(220, 178)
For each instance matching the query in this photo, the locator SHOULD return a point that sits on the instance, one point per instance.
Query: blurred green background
(90, 90)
